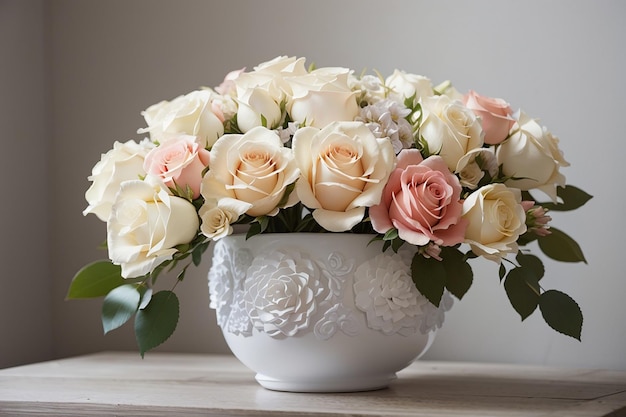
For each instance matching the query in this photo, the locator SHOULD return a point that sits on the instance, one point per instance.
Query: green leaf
(119, 306)
(196, 254)
(572, 197)
(533, 263)
(559, 246)
(561, 313)
(396, 244)
(285, 197)
(96, 280)
(459, 275)
(264, 221)
(429, 277)
(526, 238)
(522, 288)
(146, 296)
(501, 271)
(156, 323)
(253, 230)
(391, 234)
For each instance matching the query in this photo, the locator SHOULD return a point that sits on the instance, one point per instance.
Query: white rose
(344, 169)
(450, 129)
(254, 106)
(191, 114)
(496, 219)
(472, 166)
(371, 88)
(123, 162)
(532, 154)
(269, 76)
(447, 89)
(253, 169)
(282, 65)
(224, 106)
(322, 97)
(274, 87)
(145, 225)
(403, 85)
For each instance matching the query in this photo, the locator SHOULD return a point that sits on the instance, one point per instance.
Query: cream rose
(257, 108)
(282, 65)
(496, 219)
(145, 225)
(261, 92)
(191, 114)
(472, 167)
(344, 169)
(270, 77)
(322, 97)
(253, 170)
(123, 162)
(450, 129)
(403, 85)
(218, 216)
(178, 162)
(531, 154)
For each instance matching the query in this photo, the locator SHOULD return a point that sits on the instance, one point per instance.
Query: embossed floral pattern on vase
(385, 292)
(226, 278)
(284, 291)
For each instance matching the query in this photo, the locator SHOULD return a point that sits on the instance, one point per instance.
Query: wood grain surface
(167, 384)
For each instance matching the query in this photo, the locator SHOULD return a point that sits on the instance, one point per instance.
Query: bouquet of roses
(285, 148)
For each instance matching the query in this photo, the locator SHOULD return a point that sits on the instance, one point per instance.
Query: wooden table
(166, 384)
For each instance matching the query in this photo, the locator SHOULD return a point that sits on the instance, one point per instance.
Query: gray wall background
(75, 75)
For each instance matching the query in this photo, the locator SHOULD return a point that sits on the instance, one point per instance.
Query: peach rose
(178, 162)
(421, 200)
(253, 170)
(344, 168)
(496, 115)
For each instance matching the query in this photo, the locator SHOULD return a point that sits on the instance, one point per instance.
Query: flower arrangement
(285, 148)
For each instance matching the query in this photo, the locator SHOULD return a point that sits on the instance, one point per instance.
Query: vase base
(365, 383)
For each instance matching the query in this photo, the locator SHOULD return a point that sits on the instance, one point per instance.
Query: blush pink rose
(178, 162)
(421, 200)
(496, 114)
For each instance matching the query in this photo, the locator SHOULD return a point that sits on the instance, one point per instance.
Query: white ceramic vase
(320, 312)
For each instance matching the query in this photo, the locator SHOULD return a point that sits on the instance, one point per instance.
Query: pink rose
(178, 162)
(496, 115)
(422, 201)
